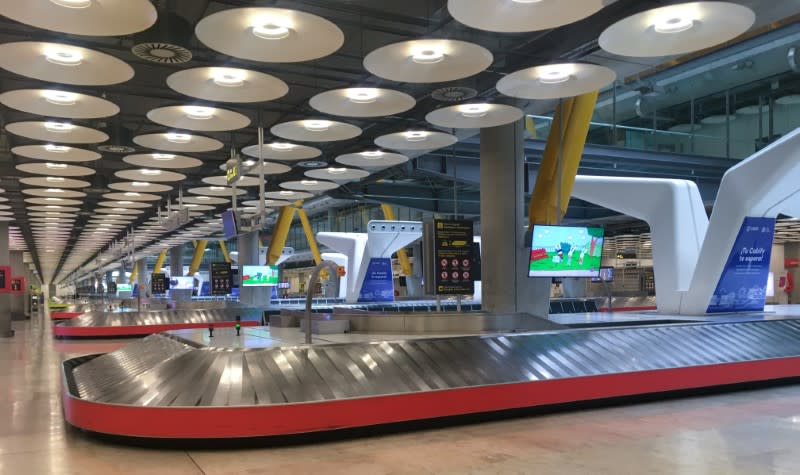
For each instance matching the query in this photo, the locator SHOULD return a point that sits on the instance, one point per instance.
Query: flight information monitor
(565, 251)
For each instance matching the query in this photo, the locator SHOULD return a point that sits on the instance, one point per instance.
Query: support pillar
(176, 261)
(248, 255)
(5, 307)
(16, 302)
(141, 274)
(505, 253)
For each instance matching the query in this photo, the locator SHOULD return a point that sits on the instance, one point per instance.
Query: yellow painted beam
(280, 232)
(402, 255)
(530, 126)
(566, 140)
(312, 241)
(197, 257)
(134, 273)
(224, 249)
(160, 262)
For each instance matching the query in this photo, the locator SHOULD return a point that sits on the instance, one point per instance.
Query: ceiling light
(58, 166)
(54, 179)
(124, 202)
(672, 23)
(474, 110)
(362, 95)
(286, 193)
(415, 136)
(555, 74)
(72, 3)
(140, 183)
(54, 190)
(317, 125)
(53, 199)
(147, 171)
(309, 182)
(203, 198)
(132, 193)
(190, 205)
(164, 157)
(118, 209)
(58, 126)
(272, 28)
(217, 188)
(226, 77)
(63, 56)
(249, 163)
(53, 206)
(281, 146)
(178, 138)
(427, 54)
(372, 155)
(199, 112)
(59, 98)
(51, 219)
(56, 148)
(336, 171)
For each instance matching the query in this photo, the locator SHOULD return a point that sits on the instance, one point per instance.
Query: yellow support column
(160, 262)
(224, 249)
(567, 139)
(134, 272)
(280, 232)
(197, 257)
(312, 241)
(402, 255)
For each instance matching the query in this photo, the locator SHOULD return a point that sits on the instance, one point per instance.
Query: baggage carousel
(104, 324)
(167, 387)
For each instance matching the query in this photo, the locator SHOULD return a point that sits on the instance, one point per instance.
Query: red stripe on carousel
(64, 315)
(59, 330)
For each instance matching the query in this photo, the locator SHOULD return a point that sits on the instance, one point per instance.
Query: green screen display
(259, 276)
(565, 251)
(124, 288)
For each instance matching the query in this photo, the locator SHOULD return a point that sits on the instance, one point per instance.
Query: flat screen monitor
(606, 275)
(124, 288)
(259, 276)
(565, 251)
(229, 225)
(181, 283)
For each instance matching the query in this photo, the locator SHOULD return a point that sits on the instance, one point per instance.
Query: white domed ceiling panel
(514, 16)
(58, 103)
(55, 169)
(140, 186)
(66, 64)
(198, 118)
(178, 142)
(416, 140)
(283, 151)
(56, 153)
(227, 85)
(162, 160)
(474, 116)
(315, 130)
(54, 181)
(428, 61)
(309, 185)
(83, 17)
(56, 131)
(372, 159)
(362, 102)
(554, 81)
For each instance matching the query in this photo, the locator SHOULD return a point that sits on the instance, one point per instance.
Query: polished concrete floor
(751, 432)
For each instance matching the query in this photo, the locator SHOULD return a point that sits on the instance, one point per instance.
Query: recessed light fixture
(56, 148)
(147, 171)
(57, 166)
(309, 182)
(53, 206)
(317, 125)
(427, 54)
(555, 74)
(362, 95)
(54, 179)
(59, 98)
(63, 56)
(228, 77)
(286, 193)
(474, 110)
(336, 171)
(217, 188)
(53, 199)
(372, 154)
(203, 198)
(282, 146)
(162, 157)
(671, 23)
(527, 1)
(272, 28)
(178, 138)
(54, 190)
(140, 184)
(132, 193)
(58, 126)
(124, 202)
(249, 163)
(72, 3)
(199, 112)
(415, 136)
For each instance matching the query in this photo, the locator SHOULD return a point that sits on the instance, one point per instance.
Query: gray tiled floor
(751, 432)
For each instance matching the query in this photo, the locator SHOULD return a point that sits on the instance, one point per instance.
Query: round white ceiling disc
(53, 192)
(124, 204)
(362, 102)
(58, 103)
(270, 168)
(56, 153)
(416, 140)
(205, 200)
(140, 186)
(6, 219)
(677, 29)
(54, 182)
(268, 203)
(178, 142)
(288, 195)
(426, 61)
(283, 151)
(66, 64)
(372, 159)
(55, 169)
(309, 185)
(198, 118)
(223, 181)
(272, 35)
(509, 16)
(3, 199)
(56, 131)
(227, 85)
(5, 206)
(194, 207)
(84, 17)
(337, 174)
(149, 174)
(315, 130)
(57, 208)
(54, 201)
(474, 116)
(6, 213)
(119, 211)
(554, 81)
(162, 160)
(222, 191)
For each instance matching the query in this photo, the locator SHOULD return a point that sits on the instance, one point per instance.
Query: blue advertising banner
(378, 285)
(742, 287)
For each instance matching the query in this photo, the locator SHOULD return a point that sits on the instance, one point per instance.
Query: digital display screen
(181, 283)
(259, 276)
(229, 228)
(124, 288)
(565, 251)
(606, 275)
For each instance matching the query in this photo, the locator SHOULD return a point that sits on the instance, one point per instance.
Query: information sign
(453, 257)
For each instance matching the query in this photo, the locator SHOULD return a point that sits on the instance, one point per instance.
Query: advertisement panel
(181, 283)
(565, 251)
(259, 276)
(742, 287)
(453, 257)
(378, 285)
